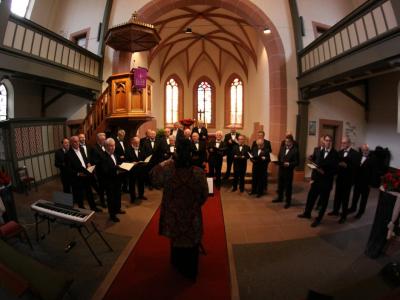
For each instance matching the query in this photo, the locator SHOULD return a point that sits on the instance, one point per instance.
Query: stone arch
(253, 15)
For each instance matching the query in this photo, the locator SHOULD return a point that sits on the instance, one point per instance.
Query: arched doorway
(254, 16)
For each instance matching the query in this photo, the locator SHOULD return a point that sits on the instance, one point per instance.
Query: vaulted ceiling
(219, 38)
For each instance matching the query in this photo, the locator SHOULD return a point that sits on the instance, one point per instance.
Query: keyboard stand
(39, 218)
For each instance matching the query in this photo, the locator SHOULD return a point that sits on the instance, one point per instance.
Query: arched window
(204, 101)
(3, 102)
(234, 102)
(173, 100)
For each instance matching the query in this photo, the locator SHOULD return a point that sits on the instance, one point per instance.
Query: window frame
(228, 101)
(180, 98)
(213, 101)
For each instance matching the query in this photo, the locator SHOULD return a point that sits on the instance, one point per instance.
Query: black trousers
(259, 178)
(285, 183)
(136, 179)
(342, 195)
(81, 189)
(229, 162)
(360, 189)
(214, 168)
(186, 260)
(239, 169)
(66, 182)
(321, 190)
(113, 192)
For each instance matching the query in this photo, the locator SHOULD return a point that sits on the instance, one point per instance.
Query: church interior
(246, 84)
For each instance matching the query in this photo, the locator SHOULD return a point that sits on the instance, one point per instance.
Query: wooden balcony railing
(371, 22)
(31, 40)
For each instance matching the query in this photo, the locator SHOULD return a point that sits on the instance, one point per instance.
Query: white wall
(325, 12)
(338, 107)
(67, 17)
(383, 117)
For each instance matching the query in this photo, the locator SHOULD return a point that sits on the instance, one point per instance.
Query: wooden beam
(353, 97)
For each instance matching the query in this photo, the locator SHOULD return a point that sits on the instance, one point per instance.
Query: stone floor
(247, 220)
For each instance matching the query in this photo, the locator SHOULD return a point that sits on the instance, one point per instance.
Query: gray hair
(109, 141)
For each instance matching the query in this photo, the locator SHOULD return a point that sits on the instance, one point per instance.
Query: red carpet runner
(147, 273)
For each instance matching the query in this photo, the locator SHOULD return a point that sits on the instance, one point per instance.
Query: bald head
(187, 133)
(110, 145)
(346, 143)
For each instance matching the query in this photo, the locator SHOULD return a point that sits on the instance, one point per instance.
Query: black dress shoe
(234, 190)
(259, 196)
(358, 216)
(121, 212)
(333, 213)
(276, 200)
(342, 220)
(251, 193)
(241, 190)
(304, 216)
(114, 219)
(287, 205)
(315, 223)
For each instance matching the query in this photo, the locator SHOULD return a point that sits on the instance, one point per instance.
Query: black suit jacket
(203, 133)
(352, 160)
(59, 159)
(267, 148)
(96, 154)
(292, 157)
(329, 165)
(241, 155)
(131, 155)
(199, 156)
(227, 138)
(213, 151)
(74, 165)
(367, 173)
(109, 171)
(119, 151)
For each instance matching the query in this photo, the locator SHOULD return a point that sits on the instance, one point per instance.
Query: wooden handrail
(96, 115)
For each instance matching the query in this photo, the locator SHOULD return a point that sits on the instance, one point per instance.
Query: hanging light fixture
(188, 30)
(267, 30)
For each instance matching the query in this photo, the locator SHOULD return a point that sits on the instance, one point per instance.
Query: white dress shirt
(79, 154)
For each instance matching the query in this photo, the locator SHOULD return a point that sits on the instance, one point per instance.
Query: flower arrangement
(4, 178)
(186, 122)
(391, 181)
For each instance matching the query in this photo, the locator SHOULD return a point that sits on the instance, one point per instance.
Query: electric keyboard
(77, 215)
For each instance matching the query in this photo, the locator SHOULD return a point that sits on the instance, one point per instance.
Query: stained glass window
(204, 102)
(236, 103)
(171, 101)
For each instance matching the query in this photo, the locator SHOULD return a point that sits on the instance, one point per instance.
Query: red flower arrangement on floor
(4, 178)
(391, 181)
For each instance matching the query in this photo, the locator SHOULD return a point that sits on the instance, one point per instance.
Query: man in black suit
(77, 164)
(177, 132)
(201, 130)
(230, 140)
(321, 180)
(97, 153)
(199, 152)
(260, 162)
(59, 162)
(145, 138)
(136, 174)
(216, 151)
(365, 174)
(164, 142)
(349, 160)
(240, 155)
(120, 153)
(151, 144)
(289, 135)
(168, 149)
(111, 179)
(267, 149)
(313, 157)
(288, 159)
